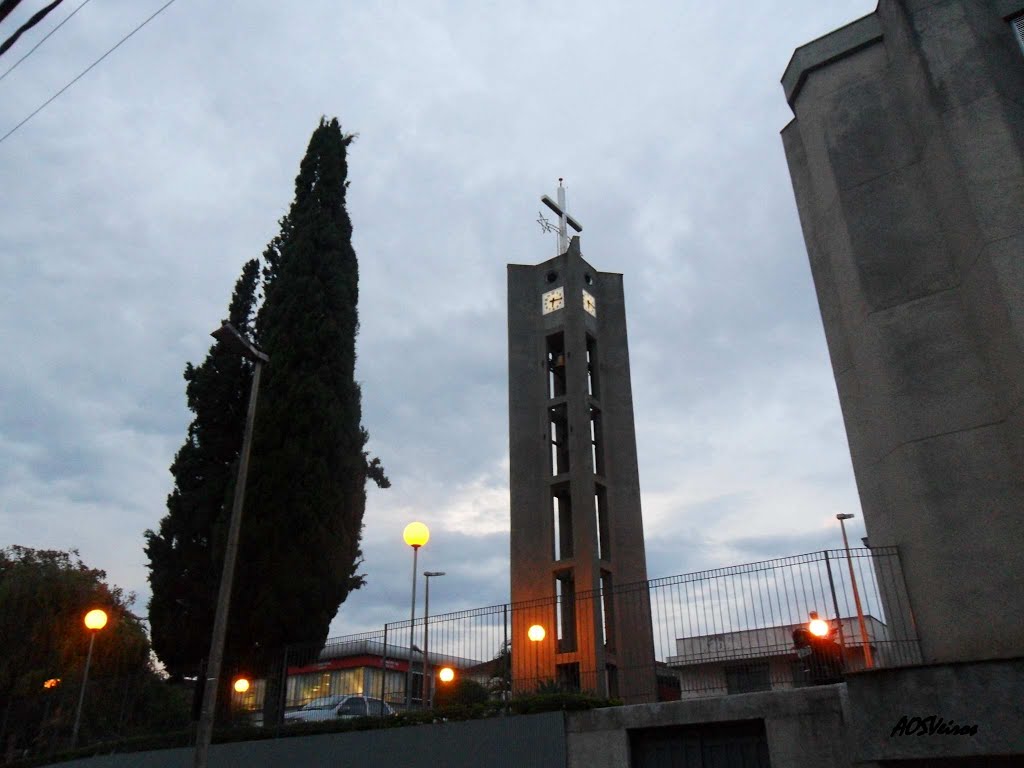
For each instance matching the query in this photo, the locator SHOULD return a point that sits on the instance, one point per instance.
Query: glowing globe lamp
(95, 619)
(447, 674)
(416, 535)
(536, 633)
(818, 627)
(241, 685)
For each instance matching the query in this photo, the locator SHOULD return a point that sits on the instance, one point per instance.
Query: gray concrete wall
(988, 696)
(907, 162)
(506, 742)
(805, 727)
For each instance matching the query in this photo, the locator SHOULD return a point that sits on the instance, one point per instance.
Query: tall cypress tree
(301, 534)
(187, 553)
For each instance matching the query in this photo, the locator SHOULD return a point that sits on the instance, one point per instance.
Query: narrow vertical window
(561, 512)
(556, 365)
(592, 383)
(558, 426)
(596, 442)
(608, 610)
(601, 521)
(565, 611)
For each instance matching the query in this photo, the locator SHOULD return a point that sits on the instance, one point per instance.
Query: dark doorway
(709, 745)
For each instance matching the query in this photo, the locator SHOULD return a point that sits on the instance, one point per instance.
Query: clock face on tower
(552, 300)
(590, 304)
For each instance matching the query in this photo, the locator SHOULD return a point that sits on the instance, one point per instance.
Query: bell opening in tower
(556, 364)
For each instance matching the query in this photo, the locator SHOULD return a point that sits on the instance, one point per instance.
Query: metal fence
(721, 631)
(715, 632)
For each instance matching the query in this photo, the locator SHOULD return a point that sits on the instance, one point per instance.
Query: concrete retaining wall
(506, 742)
(804, 726)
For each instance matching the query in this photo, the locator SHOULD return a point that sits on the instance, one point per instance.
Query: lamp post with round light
(95, 620)
(536, 634)
(415, 535)
(869, 661)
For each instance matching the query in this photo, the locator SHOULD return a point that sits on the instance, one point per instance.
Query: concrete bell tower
(577, 538)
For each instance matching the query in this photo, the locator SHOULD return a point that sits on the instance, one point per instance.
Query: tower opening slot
(558, 428)
(596, 441)
(556, 364)
(565, 611)
(601, 515)
(592, 377)
(561, 510)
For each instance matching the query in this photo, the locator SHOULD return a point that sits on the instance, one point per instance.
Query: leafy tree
(187, 553)
(300, 550)
(44, 596)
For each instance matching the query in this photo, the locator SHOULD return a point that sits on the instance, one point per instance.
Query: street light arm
(230, 336)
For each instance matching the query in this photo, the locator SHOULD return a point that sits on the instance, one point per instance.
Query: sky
(132, 201)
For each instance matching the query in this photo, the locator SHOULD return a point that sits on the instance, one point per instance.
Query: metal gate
(709, 745)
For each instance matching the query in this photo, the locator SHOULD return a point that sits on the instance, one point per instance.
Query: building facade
(907, 160)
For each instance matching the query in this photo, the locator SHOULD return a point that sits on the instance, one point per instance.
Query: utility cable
(85, 71)
(35, 19)
(33, 48)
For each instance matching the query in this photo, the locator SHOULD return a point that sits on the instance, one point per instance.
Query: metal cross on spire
(564, 219)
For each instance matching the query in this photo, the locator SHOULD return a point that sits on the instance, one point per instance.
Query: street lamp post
(428, 679)
(95, 620)
(415, 535)
(536, 633)
(227, 334)
(869, 660)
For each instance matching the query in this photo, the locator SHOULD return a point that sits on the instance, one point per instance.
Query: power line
(85, 71)
(33, 49)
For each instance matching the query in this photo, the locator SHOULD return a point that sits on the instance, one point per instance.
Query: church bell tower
(577, 543)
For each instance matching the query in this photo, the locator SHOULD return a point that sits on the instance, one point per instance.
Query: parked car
(338, 708)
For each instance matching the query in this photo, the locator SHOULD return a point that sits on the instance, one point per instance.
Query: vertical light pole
(869, 661)
(428, 679)
(415, 535)
(95, 620)
(536, 633)
(228, 335)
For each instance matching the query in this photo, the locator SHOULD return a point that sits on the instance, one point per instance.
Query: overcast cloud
(131, 203)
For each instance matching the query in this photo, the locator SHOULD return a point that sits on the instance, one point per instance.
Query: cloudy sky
(131, 202)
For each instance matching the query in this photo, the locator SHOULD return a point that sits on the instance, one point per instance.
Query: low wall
(804, 726)
(938, 711)
(503, 742)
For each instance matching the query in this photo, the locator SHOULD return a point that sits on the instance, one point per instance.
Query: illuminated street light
(241, 685)
(446, 675)
(95, 620)
(817, 627)
(536, 633)
(415, 535)
(869, 661)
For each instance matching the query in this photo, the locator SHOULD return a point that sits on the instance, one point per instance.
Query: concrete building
(907, 160)
(577, 530)
(764, 659)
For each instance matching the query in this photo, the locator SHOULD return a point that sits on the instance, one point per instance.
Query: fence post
(282, 697)
(384, 673)
(507, 672)
(835, 605)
